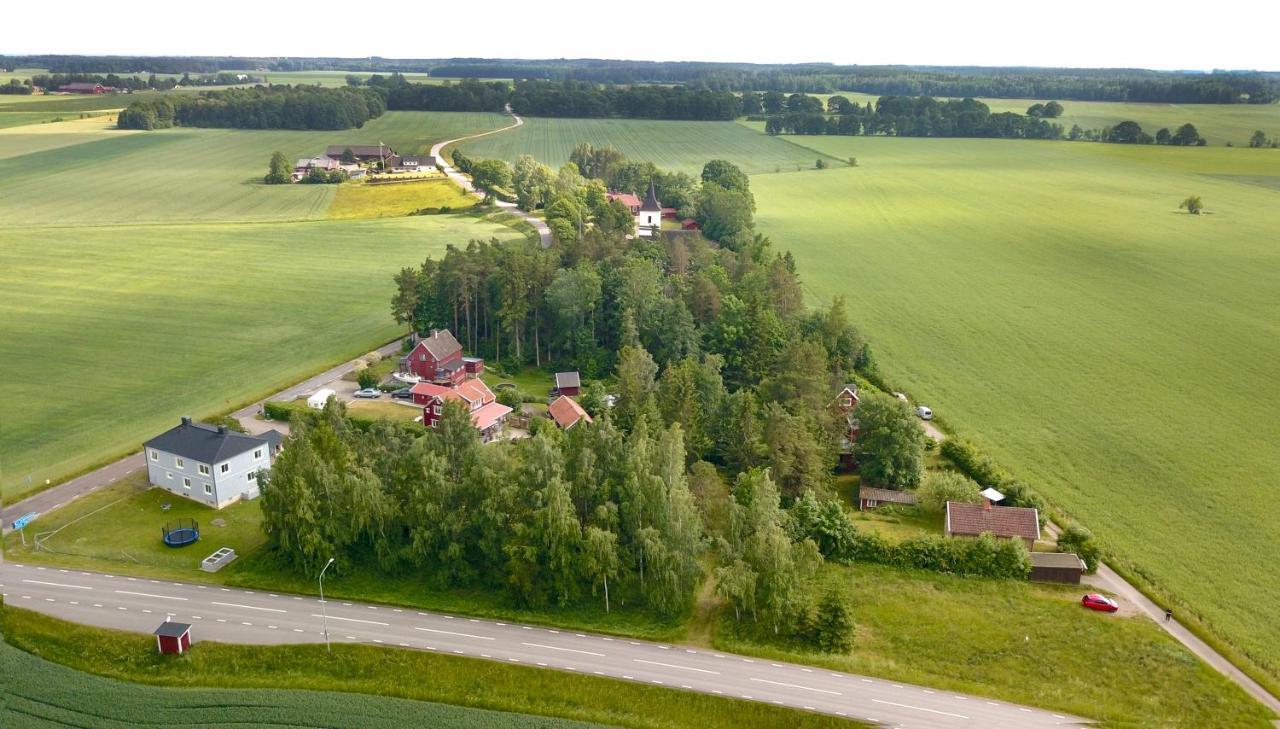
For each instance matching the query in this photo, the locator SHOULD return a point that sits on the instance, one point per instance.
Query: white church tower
(649, 220)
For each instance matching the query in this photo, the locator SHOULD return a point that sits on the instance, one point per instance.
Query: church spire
(651, 199)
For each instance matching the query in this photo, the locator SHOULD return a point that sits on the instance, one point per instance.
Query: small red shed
(568, 383)
(173, 637)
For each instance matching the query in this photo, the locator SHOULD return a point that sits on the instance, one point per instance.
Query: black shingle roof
(170, 629)
(651, 199)
(204, 443)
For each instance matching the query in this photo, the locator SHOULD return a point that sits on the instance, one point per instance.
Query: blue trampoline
(181, 533)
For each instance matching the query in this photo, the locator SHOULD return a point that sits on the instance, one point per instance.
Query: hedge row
(981, 468)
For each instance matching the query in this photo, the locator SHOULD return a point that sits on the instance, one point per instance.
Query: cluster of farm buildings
(649, 213)
(363, 156)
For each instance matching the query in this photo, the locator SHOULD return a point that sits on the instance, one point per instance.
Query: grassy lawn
(383, 408)
(672, 145)
(1016, 641)
(363, 200)
(529, 381)
(285, 680)
(1048, 299)
(119, 527)
(188, 174)
(156, 322)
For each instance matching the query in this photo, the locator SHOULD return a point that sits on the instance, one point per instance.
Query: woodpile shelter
(1062, 567)
(173, 638)
(873, 498)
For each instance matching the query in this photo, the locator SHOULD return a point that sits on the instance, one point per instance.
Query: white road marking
(450, 632)
(797, 686)
(57, 584)
(250, 607)
(147, 594)
(921, 708)
(351, 620)
(566, 650)
(297, 630)
(672, 665)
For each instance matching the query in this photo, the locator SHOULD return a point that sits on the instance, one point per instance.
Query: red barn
(437, 358)
(81, 87)
(173, 637)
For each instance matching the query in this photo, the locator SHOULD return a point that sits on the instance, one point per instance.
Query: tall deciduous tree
(890, 444)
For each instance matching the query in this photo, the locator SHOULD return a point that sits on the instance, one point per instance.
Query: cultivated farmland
(1050, 300)
(672, 145)
(112, 332)
(180, 175)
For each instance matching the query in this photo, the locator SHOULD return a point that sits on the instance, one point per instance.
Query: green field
(44, 695)
(111, 333)
(1049, 300)
(671, 145)
(181, 175)
(1021, 642)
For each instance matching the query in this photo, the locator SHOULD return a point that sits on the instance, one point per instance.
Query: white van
(319, 398)
(924, 413)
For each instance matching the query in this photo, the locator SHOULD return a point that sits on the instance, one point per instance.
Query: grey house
(209, 464)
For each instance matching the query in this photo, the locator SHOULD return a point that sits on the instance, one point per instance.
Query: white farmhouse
(208, 464)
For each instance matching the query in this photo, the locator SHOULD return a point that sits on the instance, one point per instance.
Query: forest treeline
(1106, 84)
(259, 107)
(52, 81)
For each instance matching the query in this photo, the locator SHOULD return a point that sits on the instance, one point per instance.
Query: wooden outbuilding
(173, 638)
(1061, 567)
(873, 498)
(568, 383)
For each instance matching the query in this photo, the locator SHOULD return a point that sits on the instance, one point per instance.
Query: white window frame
(155, 455)
(225, 467)
(179, 462)
(251, 476)
(203, 469)
(208, 489)
(257, 455)
(186, 482)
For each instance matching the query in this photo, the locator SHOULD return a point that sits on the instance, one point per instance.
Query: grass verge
(395, 673)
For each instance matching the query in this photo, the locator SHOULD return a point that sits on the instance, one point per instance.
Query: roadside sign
(24, 520)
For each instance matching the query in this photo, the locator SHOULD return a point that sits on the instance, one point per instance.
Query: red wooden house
(845, 403)
(631, 201)
(568, 383)
(438, 358)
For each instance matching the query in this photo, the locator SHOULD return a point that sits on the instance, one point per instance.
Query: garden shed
(173, 638)
(1061, 567)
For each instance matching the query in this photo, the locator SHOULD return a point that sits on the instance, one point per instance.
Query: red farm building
(487, 413)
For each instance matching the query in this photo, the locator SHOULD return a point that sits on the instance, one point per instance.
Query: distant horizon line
(566, 59)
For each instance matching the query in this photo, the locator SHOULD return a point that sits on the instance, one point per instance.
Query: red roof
(427, 388)
(489, 414)
(625, 198)
(475, 392)
(970, 520)
(690, 224)
(567, 412)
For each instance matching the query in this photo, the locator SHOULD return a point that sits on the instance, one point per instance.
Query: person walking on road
(1168, 614)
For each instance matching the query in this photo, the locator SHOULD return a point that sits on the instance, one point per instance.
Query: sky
(1233, 34)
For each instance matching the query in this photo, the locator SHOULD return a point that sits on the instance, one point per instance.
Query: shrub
(974, 463)
(277, 410)
(939, 487)
(1080, 540)
(373, 357)
(367, 378)
(823, 522)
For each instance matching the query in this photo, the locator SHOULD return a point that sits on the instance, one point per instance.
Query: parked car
(369, 392)
(924, 413)
(1101, 603)
(404, 393)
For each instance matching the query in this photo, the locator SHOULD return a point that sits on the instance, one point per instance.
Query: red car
(1101, 603)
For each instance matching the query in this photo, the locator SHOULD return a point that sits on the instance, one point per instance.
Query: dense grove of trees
(467, 95)
(15, 88)
(904, 116)
(51, 81)
(584, 99)
(260, 107)
(721, 438)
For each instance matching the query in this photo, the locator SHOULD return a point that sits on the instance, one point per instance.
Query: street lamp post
(323, 612)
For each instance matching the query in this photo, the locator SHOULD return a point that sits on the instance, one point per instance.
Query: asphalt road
(232, 615)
